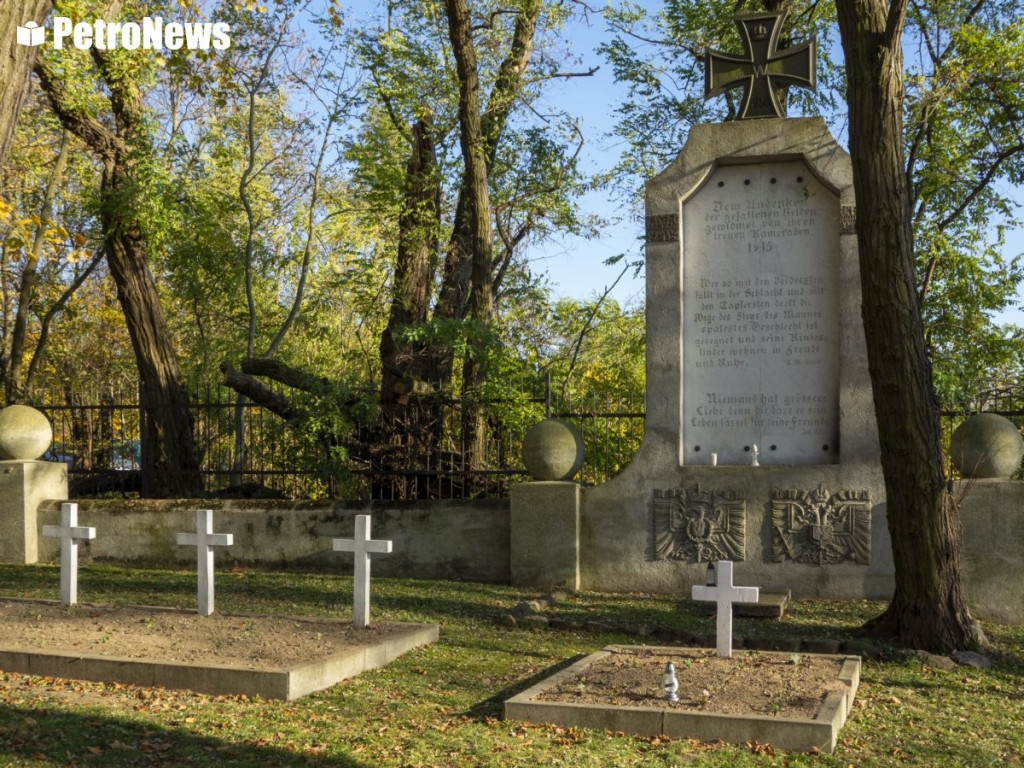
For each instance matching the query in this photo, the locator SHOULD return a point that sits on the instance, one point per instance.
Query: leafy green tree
(45, 234)
(469, 139)
(965, 156)
(113, 124)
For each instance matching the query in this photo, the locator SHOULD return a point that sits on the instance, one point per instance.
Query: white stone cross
(69, 534)
(362, 546)
(204, 540)
(725, 594)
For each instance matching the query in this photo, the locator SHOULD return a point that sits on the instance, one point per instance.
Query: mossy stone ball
(553, 450)
(987, 445)
(25, 433)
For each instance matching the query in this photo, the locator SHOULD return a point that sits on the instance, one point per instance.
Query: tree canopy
(354, 196)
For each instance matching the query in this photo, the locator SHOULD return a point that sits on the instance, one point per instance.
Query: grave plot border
(282, 683)
(794, 734)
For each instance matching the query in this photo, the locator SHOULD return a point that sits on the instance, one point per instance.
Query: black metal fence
(101, 443)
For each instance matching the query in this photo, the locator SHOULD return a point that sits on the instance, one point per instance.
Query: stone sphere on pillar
(553, 450)
(986, 445)
(25, 433)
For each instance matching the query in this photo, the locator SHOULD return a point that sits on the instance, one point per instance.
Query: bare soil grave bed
(793, 701)
(270, 656)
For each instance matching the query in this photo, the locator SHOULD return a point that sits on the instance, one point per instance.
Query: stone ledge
(796, 734)
(283, 683)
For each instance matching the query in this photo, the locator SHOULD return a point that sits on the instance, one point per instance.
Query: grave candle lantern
(670, 683)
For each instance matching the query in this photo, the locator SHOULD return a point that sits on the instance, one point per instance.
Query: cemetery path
(750, 683)
(170, 635)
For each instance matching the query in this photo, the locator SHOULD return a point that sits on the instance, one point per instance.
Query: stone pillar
(23, 485)
(545, 535)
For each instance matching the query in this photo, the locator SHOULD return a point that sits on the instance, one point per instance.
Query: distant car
(127, 456)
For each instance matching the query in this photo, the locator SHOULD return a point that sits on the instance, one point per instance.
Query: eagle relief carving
(821, 528)
(699, 526)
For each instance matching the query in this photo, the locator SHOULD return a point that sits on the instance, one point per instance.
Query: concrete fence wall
(545, 536)
(461, 540)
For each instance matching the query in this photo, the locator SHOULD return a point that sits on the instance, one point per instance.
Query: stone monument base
(545, 535)
(23, 485)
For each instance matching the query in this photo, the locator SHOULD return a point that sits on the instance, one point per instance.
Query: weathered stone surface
(699, 525)
(986, 445)
(24, 487)
(25, 433)
(553, 450)
(453, 539)
(934, 660)
(761, 322)
(788, 366)
(544, 535)
(972, 659)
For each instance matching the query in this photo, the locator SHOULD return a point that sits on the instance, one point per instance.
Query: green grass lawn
(441, 705)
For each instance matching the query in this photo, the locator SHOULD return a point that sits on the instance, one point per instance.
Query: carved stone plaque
(760, 310)
(821, 528)
(699, 526)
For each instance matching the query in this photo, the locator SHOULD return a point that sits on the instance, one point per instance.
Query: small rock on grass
(972, 659)
(934, 660)
(556, 597)
(508, 621)
(534, 622)
(528, 608)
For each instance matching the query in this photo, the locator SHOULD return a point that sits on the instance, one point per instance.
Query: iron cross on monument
(764, 68)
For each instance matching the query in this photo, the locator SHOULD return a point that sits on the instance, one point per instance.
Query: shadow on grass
(87, 739)
(493, 706)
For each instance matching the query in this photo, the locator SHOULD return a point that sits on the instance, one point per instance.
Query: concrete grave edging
(794, 734)
(283, 683)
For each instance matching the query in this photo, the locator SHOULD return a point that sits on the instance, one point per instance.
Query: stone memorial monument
(760, 442)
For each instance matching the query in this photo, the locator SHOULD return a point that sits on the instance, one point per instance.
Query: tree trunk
(478, 243)
(16, 62)
(928, 608)
(408, 432)
(414, 268)
(30, 275)
(170, 463)
(170, 467)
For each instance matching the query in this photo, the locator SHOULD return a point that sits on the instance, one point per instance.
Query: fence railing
(101, 443)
